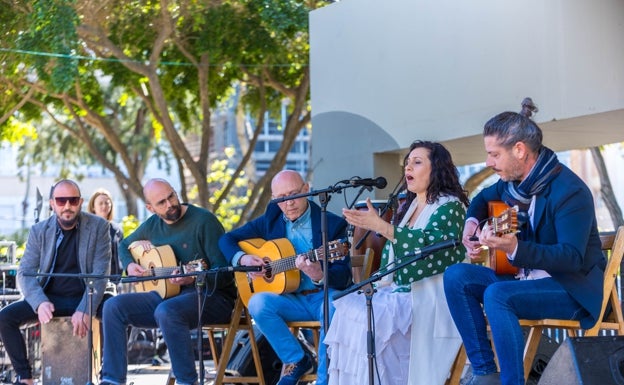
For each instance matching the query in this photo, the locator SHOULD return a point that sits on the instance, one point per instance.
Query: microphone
(379, 182)
(453, 242)
(242, 269)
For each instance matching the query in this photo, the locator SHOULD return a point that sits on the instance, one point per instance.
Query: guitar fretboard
(506, 222)
(159, 271)
(288, 263)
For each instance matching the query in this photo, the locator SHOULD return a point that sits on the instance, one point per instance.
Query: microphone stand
(390, 203)
(199, 284)
(370, 291)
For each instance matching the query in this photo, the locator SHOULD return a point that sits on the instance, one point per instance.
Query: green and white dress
(415, 337)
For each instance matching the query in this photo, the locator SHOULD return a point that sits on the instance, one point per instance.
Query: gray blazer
(94, 255)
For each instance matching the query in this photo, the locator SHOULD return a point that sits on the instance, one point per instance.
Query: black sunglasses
(62, 201)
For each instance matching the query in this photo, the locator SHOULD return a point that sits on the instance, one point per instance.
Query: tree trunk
(606, 190)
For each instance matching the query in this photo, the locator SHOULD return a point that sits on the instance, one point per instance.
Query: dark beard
(67, 223)
(174, 213)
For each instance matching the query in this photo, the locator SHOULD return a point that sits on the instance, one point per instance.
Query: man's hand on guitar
(144, 246)
(252, 260)
(181, 281)
(470, 239)
(136, 270)
(505, 242)
(311, 269)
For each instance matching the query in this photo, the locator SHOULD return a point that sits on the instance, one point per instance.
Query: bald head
(155, 184)
(162, 200)
(286, 177)
(287, 183)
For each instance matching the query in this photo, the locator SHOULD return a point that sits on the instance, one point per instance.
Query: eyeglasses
(294, 192)
(62, 201)
(172, 197)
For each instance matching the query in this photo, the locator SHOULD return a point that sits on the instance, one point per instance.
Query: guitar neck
(288, 263)
(160, 271)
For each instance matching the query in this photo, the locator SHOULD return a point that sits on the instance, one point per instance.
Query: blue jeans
(271, 312)
(174, 316)
(505, 300)
(20, 313)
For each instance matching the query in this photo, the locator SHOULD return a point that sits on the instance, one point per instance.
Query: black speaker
(586, 361)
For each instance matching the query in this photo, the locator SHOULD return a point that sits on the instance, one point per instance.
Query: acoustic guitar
(280, 273)
(160, 261)
(504, 220)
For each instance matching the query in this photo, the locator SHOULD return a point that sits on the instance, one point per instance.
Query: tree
(79, 61)
(606, 189)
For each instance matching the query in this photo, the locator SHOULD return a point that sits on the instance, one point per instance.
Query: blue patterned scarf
(545, 169)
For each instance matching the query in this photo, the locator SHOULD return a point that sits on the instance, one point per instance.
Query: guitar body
(154, 260)
(270, 251)
(498, 259)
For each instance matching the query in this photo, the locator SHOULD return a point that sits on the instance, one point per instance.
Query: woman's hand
(369, 220)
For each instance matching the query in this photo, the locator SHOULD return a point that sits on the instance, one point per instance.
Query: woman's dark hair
(444, 178)
(512, 127)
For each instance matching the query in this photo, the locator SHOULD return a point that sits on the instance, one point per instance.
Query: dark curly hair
(444, 178)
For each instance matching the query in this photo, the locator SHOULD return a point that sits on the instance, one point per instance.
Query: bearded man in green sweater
(192, 233)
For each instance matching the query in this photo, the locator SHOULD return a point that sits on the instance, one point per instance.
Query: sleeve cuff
(236, 258)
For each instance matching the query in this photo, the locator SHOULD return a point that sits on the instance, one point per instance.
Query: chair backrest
(610, 276)
(361, 265)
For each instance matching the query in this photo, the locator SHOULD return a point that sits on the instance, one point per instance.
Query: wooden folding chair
(240, 321)
(612, 321)
(361, 265)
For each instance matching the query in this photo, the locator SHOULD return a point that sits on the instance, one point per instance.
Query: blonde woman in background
(101, 204)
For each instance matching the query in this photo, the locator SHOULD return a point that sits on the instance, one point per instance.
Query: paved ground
(142, 374)
(159, 375)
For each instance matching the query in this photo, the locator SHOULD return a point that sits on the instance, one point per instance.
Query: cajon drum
(64, 357)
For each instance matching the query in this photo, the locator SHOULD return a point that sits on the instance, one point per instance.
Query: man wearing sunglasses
(69, 242)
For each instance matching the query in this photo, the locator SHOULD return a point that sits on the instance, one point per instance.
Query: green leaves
(51, 36)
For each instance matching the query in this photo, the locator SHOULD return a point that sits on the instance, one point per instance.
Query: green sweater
(194, 236)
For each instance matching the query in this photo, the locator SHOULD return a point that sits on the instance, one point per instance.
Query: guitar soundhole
(151, 271)
(268, 270)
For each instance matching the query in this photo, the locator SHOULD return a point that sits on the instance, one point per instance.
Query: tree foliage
(122, 82)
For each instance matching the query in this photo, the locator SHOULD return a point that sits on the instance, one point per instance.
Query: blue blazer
(565, 240)
(272, 226)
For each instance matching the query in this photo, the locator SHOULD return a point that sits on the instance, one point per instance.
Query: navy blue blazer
(565, 240)
(271, 225)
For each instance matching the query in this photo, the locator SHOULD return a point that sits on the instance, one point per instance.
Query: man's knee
(258, 304)
(455, 276)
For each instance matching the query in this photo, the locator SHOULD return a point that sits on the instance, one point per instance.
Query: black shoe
(488, 379)
(293, 372)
